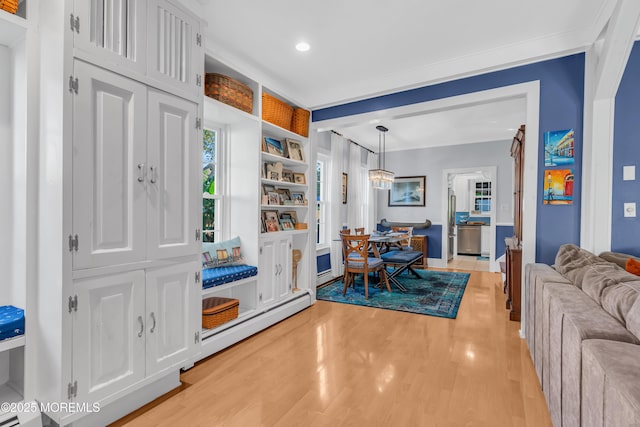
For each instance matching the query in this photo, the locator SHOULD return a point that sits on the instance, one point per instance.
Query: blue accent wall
(502, 232)
(561, 107)
(625, 232)
(323, 263)
(434, 238)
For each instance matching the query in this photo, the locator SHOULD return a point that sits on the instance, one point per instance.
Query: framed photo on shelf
(266, 189)
(286, 224)
(408, 191)
(299, 178)
(294, 149)
(288, 175)
(271, 221)
(283, 195)
(292, 215)
(274, 146)
(344, 188)
(273, 171)
(274, 198)
(298, 198)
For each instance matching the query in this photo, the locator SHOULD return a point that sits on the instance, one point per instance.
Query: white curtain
(335, 191)
(371, 204)
(357, 190)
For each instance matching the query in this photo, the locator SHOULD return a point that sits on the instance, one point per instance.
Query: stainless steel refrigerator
(451, 223)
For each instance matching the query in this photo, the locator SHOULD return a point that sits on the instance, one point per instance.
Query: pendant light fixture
(380, 178)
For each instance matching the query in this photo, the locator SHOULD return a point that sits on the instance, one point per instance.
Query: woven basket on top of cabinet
(276, 111)
(218, 310)
(228, 90)
(300, 121)
(10, 6)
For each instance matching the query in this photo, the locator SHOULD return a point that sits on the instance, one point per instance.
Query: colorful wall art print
(558, 148)
(558, 186)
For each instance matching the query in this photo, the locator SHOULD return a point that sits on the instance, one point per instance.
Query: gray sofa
(582, 326)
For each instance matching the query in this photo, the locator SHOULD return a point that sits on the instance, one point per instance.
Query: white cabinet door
(268, 271)
(109, 151)
(174, 52)
(284, 262)
(108, 334)
(173, 172)
(173, 315)
(485, 238)
(112, 30)
(275, 269)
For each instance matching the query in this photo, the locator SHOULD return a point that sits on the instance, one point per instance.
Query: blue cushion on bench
(11, 321)
(217, 276)
(359, 262)
(401, 257)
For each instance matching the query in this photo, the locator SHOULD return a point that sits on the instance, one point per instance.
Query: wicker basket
(300, 121)
(218, 310)
(10, 6)
(276, 111)
(300, 226)
(227, 90)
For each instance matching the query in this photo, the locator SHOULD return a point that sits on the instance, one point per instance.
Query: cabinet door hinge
(72, 389)
(289, 245)
(199, 80)
(73, 85)
(260, 250)
(198, 234)
(73, 303)
(74, 22)
(198, 123)
(199, 39)
(197, 277)
(73, 243)
(197, 337)
(260, 297)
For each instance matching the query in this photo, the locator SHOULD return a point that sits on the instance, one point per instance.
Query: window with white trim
(322, 199)
(212, 188)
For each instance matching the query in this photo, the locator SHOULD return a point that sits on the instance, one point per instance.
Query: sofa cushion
(611, 383)
(617, 258)
(574, 319)
(572, 262)
(537, 276)
(597, 278)
(618, 299)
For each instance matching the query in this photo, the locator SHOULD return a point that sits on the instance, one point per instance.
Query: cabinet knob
(141, 327)
(153, 317)
(140, 172)
(154, 174)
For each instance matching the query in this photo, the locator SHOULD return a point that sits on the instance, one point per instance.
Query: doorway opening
(470, 227)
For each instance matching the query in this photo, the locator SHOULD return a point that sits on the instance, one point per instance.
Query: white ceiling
(361, 48)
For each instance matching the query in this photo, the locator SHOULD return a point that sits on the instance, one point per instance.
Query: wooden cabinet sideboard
(419, 243)
(513, 278)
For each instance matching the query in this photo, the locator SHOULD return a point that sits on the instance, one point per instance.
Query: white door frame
(492, 172)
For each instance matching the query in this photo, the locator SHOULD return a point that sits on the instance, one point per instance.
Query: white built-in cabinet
(125, 286)
(135, 150)
(275, 269)
(270, 296)
(152, 38)
(131, 325)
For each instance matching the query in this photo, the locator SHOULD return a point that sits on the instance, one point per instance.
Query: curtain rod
(353, 142)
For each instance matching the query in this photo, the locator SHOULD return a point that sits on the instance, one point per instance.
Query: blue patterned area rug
(436, 293)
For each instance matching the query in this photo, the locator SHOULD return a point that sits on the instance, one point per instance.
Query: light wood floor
(469, 263)
(342, 365)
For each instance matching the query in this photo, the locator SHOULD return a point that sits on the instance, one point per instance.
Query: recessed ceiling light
(303, 46)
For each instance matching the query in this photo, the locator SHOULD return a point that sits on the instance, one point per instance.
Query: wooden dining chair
(359, 230)
(407, 233)
(358, 261)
